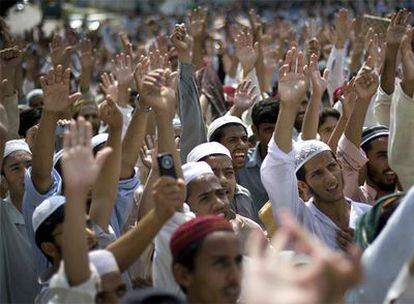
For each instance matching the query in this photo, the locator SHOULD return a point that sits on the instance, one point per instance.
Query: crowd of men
(221, 157)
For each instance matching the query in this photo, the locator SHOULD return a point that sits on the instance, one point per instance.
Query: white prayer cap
(222, 121)
(45, 209)
(96, 141)
(207, 149)
(15, 145)
(33, 93)
(104, 261)
(307, 149)
(99, 139)
(192, 170)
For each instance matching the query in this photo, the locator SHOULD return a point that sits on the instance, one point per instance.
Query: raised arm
(80, 170)
(135, 133)
(169, 196)
(55, 103)
(105, 189)
(122, 69)
(198, 32)
(189, 110)
(319, 84)
(400, 153)
(278, 168)
(244, 98)
(87, 59)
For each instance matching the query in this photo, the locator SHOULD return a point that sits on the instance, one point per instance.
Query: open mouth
(239, 155)
(332, 188)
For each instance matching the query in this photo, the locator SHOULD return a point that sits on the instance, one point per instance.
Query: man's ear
(48, 248)
(182, 275)
(255, 130)
(304, 190)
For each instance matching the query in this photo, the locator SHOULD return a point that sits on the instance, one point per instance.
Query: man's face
(89, 111)
(326, 129)
(223, 168)
(235, 139)
(300, 114)
(264, 132)
(112, 288)
(378, 170)
(207, 196)
(14, 168)
(324, 177)
(217, 270)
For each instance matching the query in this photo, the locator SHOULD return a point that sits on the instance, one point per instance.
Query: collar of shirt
(15, 215)
(253, 157)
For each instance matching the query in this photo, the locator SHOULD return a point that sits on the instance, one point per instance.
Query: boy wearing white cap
(309, 164)
(17, 273)
(219, 159)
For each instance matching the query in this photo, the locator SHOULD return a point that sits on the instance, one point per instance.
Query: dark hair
(44, 231)
(218, 134)
(265, 111)
(328, 112)
(29, 118)
(187, 257)
(300, 175)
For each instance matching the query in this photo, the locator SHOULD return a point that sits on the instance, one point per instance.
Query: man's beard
(377, 181)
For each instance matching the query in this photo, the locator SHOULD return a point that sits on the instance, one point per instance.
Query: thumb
(74, 97)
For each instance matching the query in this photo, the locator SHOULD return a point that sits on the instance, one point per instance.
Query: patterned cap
(307, 149)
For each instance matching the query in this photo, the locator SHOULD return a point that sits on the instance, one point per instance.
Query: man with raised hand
(309, 164)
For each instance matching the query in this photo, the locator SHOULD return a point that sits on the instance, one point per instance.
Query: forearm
(353, 130)
(43, 151)
(235, 111)
(166, 141)
(19, 80)
(74, 243)
(106, 186)
(147, 203)
(337, 132)
(284, 127)
(131, 144)
(388, 70)
(311, 118)
(85, 79)
(260, 70)
(11, 106)
(355, 63)
(198, 49)
(131, 245)
(123, 95)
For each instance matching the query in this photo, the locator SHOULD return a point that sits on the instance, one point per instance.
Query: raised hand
(59, 52)
(397, 28)
(110, 114)
(148, 152)
(162, 44)
(55, 88)
(197, 22)
(376, 50)
(126, 44)
(141, 70)
(407, 59)
(109, 85)
(292, 80)
(342, 26)
(182, 42)
(366, 81)
(158, 60)
(244, 97)
(319, 83)
(348, 98)
(122, 66)
(80, 168)
(86, 53)
(169, 195)
(246, 51)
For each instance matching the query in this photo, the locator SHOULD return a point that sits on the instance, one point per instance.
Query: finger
(325, 74)
(75, 96)
(73, 134)
(81, 131)
(58, 74)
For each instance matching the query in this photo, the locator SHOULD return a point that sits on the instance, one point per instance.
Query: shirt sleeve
(382, 107)
(279, 179)
(352, 160)
(64, 293)
(396, 234)
(335, 66)
(189, 110)
(124, 202)
(401, 140)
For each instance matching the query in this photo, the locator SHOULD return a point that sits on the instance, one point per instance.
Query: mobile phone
(166, 165)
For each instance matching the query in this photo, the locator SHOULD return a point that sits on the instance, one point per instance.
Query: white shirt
(279, 179)
(161, 267)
